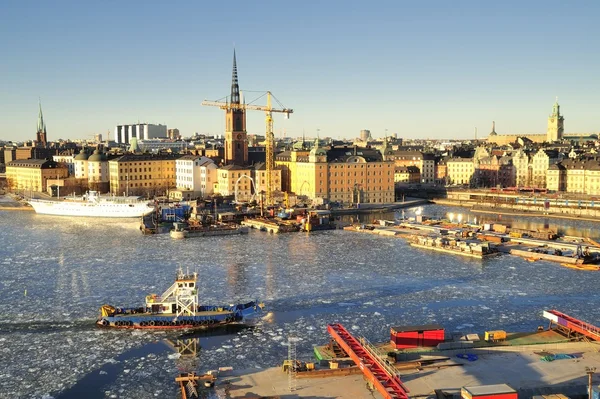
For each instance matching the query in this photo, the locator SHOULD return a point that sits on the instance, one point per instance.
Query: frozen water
(57, 272)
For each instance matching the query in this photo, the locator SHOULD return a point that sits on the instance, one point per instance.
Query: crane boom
(269, 138)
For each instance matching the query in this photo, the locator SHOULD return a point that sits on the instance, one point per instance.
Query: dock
(474, 242)
(270, 225)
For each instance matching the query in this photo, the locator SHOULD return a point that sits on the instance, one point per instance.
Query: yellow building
(234, 178)
(342, 174)
(575, 176)
(460, 170)
(33, 174)
(260, 178)
(142, 174)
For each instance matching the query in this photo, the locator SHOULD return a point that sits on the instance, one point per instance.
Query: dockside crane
(270, 139)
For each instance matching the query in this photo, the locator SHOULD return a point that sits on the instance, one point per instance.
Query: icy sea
(55, 273)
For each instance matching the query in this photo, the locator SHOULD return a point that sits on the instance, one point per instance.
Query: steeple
(556, 108)
(493, 132)
(235, 88)
(41, 127)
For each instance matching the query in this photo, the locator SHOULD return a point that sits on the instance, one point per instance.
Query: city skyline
(422, 71)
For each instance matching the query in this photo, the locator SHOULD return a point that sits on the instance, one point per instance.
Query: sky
(421, 69)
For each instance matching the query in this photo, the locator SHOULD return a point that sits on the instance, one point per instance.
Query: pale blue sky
(433, 69)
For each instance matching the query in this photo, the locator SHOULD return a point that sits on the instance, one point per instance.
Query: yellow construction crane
(270, 139)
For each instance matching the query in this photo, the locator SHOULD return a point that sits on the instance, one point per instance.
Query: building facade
(141, 131)
(460, 170)
(197, 174)
(235, 180)
(142, 174)
(540, 163)
(33, 174)
(341, 174)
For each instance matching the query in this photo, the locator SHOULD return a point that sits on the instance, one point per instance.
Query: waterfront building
(576, 176)
(407, 174)
(260, 177)
(196, 175)
(236, 143)
(343, 174)
(441, 171)
(97, 172)
(540, 163)
(460, 170)
(425, 162)
(142, 131)
(145, 174)
(495, 171)
(235, 180)
(520, 161)
(80, 162)
(33, 174)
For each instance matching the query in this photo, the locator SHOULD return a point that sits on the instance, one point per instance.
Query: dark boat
(176, 308)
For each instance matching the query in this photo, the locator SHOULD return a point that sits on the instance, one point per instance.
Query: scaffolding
(292, 361)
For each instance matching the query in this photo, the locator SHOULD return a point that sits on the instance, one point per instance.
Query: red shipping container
(429, 335)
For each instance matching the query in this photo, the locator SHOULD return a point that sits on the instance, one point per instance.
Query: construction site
(557, 361)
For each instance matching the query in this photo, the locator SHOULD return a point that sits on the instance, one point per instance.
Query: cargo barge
(186, 230)
(478, 250)
(176, 308)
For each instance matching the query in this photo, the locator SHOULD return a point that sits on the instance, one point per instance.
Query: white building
(141, 131)
(67, 160)
(197, 174)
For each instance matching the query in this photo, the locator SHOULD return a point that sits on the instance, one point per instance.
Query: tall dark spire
(235, 88)
(41, 126)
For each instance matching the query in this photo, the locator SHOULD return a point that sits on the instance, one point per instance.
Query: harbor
(408, 286)
(486, 241)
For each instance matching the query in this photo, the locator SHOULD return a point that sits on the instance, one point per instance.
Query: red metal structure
(573, 324)
(383, 376)
(427, 335)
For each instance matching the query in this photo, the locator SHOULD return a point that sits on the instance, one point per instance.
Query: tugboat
(176, 308)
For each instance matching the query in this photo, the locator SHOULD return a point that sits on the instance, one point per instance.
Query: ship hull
(200, 320)
(108, 210)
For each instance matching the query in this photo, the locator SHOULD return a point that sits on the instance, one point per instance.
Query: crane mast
(269, 137)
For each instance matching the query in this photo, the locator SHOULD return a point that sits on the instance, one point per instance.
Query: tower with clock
(555, 124)
(236, 142)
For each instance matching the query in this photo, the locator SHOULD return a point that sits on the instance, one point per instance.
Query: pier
(476, 242)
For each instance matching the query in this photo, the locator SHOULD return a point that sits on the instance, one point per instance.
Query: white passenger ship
(94, 205)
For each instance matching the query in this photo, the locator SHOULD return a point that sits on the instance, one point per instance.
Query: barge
(478, 250)
(176, 308)
(183, 230)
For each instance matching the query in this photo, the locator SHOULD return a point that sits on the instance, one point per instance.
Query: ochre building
(33, 174)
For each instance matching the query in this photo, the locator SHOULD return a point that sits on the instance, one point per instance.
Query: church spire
(41, 127)
(235, 88)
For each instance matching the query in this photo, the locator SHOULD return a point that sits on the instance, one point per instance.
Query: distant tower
(555, 124)
(41, 137)
(236, 143)
(493, 132)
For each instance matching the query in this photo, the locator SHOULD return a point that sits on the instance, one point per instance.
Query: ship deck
(154, 315)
